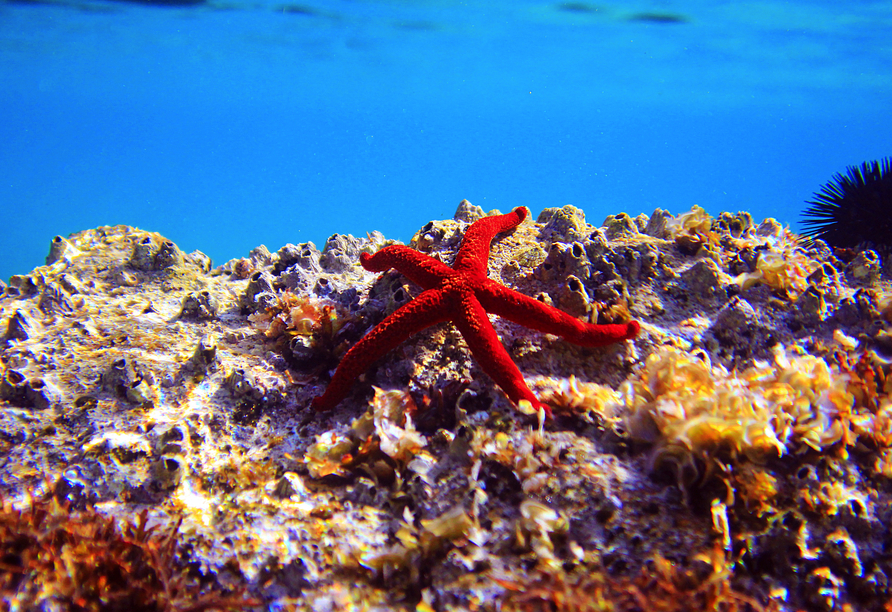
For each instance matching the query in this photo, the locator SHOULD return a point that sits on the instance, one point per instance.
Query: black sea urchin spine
(854, 209)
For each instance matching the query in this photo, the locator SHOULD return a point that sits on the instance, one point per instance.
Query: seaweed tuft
(52, 557)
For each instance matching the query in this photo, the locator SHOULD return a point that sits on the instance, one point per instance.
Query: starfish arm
(474, 325)
(474, 251)
(530, 312)
(421, 269)
(407, 320)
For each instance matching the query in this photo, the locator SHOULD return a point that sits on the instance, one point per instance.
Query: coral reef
(735, 455)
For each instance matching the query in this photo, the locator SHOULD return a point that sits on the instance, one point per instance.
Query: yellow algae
(293, 315)
(689, 408)
(386, 427)
(578, 397)
(786, 271)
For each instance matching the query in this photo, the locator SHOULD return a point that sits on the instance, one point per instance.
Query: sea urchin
(854, 209)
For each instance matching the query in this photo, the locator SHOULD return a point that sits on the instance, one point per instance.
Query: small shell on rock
(573, 299)
(61, 249)
(199, 305)
(205, 355)
(21, 326)
(563, 224)
(467, 212)
(657, 225)
(865, 269)
(620, 226)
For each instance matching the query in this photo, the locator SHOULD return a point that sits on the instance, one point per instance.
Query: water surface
(226, 124)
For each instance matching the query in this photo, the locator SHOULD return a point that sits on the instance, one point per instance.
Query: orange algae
(54, 556)
(660, 586)
(294, 315)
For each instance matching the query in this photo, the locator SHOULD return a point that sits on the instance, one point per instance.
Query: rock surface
(738, 452)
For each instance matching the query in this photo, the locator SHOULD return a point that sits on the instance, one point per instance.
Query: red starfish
(464, 294)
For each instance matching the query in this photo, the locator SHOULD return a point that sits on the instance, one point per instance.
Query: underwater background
(224, 124)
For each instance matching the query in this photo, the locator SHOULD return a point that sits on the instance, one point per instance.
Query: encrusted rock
(767, 419)
(703, 279)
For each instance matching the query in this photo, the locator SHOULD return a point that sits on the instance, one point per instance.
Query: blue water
(232, 124)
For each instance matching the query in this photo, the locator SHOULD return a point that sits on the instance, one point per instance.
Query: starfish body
(464, 294)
